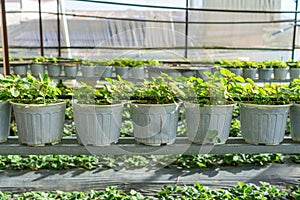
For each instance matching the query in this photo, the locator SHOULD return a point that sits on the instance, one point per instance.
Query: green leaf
(14, 92)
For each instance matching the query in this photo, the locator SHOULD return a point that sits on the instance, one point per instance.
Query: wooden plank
(128, 146)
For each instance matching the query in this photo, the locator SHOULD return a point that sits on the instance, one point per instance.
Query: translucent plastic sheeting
(97, 29)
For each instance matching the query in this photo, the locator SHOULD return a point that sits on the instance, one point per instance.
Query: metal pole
(186, 29)
(58, 30)
(65, 27)
(295, 30)
(5, 52)
(41, 29)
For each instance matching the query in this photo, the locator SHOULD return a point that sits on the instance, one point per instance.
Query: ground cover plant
(242, 190)
(88, 162)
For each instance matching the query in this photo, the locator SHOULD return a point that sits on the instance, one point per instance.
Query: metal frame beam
(5, 48)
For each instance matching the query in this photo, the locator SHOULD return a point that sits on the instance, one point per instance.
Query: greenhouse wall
(169, 30)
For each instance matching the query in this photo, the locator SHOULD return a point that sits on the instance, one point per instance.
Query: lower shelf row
(128, 146)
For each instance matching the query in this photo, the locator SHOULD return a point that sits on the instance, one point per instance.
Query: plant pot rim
(155, 105)
(87, 66)
(122, 67)
(264, 105)
(104, 66)
(219, 105)
(38, 105)
(96, 105)
(267, 68)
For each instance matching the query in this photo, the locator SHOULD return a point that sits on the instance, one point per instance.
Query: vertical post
(58, 30)
(186, 29)
(41, 29)
(295, 30)
(65, 27)
(5, 51)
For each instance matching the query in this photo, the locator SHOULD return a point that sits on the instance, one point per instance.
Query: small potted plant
(137, 68)
(294, 69)
(209, 111)
(280, 69)
(265, 71)
(263, 112)
(71, 67)
(5, 108)
(53, 67)
(235, 66)
(104, 68)
(122, 67)
(38, 112)
(19, 66)
(250, 69)
(38, 65)
(154, 68)
(294, 88)
(154, 111)
(88, 68)
(98, 111)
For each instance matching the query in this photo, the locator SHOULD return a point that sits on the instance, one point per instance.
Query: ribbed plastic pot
(208, 124)
(20, 69)
(123, 72)
(201, 72)
(249, 73)
(154, 72)
(37, 69)
(54, 70)
(263, 124)
(39, 124)
(265, 74)
(138, 72)
(236, 71)
(104, 71)
(295, 122)
(5, 118)
(294, 73)
(71, 70)
(155, 124)
(97, 125)
(280, 73)
(88, 71)
(188, 73)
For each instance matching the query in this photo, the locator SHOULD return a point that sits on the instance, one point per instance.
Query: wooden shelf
(127, 146)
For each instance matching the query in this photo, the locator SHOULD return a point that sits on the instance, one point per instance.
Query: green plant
(275, 63)
(104, 62)
(5, 83)
(53, 60)
(137, 63)
(107, 93)
(210, 92)
(122, 62)
(39, 59)
(251, 64)
(87, 63)
(218, 89)
(231, 63)
(160, 90)
(235, 129)
(30, 90)
(152, 63)
(295, 64)
(270, 94)
(294, 89)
